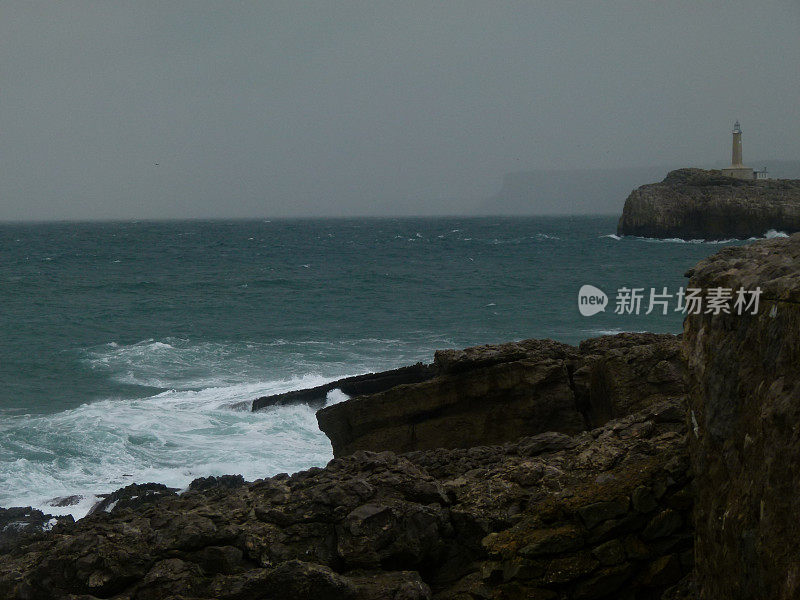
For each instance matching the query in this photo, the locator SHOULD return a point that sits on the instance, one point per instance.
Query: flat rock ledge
(497, 393)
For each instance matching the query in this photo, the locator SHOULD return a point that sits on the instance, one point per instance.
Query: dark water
(126, 346)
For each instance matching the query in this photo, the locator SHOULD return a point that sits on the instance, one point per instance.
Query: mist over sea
(130, 351)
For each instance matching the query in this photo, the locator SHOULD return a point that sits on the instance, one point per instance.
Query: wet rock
(63, 501)
(222, 482)
(132, 496)
(369, 383)
(18, 524)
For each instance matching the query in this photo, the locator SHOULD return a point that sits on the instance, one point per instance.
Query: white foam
(767, 235)
(681, 241)
(614, 331)
(611, 236)
(335, 396)
(171, 438)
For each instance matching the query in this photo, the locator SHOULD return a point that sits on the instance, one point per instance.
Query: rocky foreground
(663, 467)
(699, 204)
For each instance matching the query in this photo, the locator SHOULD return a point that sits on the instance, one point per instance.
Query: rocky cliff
(498, 393)
(698, 204)
(744, 375)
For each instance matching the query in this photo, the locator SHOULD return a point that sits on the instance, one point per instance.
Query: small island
(736, 202)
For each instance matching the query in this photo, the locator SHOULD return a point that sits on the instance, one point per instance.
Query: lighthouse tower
(737, 169)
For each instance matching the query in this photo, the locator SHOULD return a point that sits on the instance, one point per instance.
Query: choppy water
(130, 350)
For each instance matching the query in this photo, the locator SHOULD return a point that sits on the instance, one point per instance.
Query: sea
(130, 351)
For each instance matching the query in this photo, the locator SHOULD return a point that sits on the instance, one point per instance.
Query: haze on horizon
(195, 109)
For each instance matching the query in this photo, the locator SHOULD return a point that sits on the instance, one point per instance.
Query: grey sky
(345, 108)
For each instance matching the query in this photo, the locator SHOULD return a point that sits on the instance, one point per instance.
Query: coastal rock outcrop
(368, 383)
(498, 393)
(19, 524)
(700, 204)
(604, 512)
(744, 377)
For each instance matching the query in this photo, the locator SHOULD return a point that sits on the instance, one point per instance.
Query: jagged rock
(20, 524)
(222, 482)
(698, 204)
(446, 523)
(745, 390)
(63, 501)
(131, 496)
(620, 374)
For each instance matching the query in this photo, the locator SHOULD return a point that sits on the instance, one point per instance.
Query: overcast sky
(348, 108)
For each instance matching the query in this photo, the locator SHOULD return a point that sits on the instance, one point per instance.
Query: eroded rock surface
(745, 400)
(548, 516)
(497, 393)
(699, 204)
(18, 524)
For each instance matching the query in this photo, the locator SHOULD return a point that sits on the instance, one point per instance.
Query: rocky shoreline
(699, 204)
(635, 466)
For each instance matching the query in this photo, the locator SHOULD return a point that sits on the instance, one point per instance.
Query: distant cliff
(699, 204)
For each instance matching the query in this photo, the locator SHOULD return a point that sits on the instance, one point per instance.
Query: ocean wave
(772, 233)
(183, 364)
(172, 438)
(612, 331)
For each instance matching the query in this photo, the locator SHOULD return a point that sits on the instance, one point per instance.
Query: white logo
(591, 300)
(689, 301)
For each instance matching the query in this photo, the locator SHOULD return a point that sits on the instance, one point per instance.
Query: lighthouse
(737, 169)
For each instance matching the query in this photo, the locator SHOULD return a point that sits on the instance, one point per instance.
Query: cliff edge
(744, 380)
(699, 204)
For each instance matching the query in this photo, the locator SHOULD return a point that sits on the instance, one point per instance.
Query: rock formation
(18, 524)
(497, 393)
(698, 204)
(744, 373)
(548, 516)
(369, 383)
